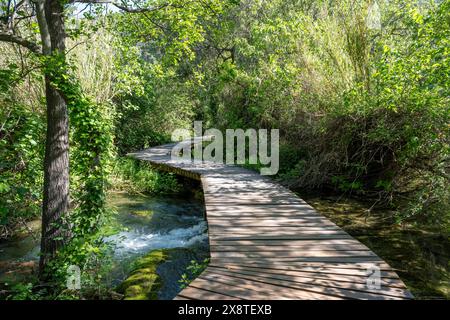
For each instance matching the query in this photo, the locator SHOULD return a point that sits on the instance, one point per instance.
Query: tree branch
(124, 7)
(11, 38)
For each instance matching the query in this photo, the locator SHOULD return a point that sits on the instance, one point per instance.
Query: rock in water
(143, 282)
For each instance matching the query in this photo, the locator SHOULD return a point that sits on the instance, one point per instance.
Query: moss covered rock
(143, 282)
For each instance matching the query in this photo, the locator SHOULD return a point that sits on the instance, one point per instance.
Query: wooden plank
(263, 230)
(227, 236)
(272, 194)
(281, 200)
(263, 215)
(236, 210)
(292, 254)
(249, 192)
(284, 243)
(213, 223)
(327, 288)
(359, 268)
(297, 248)
(264, 206)
(298, 276)
(257, 219)
(181, 297)
(245, 289)
(266, 230)
(293, 260)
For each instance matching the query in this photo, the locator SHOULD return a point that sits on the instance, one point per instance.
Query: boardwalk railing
(267, 243)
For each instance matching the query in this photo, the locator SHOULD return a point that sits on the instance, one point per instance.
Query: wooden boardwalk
(267, 243)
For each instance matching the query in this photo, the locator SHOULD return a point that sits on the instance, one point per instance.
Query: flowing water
(150, 223)
(142, 224)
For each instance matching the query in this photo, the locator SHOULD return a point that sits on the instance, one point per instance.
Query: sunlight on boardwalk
(267, 243)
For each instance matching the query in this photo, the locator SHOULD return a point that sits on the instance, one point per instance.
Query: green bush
(21, 156)
(138, 176)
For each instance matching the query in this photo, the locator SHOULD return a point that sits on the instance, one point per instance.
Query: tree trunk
(56, 163)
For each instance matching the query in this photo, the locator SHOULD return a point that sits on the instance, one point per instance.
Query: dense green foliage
(22, 132)
(362, 111)
(136, 176)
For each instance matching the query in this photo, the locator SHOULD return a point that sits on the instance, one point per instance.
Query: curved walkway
(267, 243)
